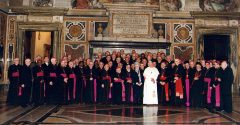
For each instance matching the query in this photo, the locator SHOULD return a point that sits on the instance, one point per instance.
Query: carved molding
(46, 11)
(131, 6)
(176, 15)
(224, 15)
(87, 12)
(129, 44)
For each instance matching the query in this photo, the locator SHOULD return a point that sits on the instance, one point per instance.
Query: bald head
(224, 65)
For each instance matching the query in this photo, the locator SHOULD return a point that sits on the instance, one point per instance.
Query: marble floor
(113, 114)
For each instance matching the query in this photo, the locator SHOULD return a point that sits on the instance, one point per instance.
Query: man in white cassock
(150, 85)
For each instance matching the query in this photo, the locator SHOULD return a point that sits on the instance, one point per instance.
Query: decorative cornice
(40, 11)
(222, 15)
(129, 44)
(87, 12)
(131, 6)
(172, 15)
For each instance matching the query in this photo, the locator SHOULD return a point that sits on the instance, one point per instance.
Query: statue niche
(159, 31)
(101, 29)
(217, 5)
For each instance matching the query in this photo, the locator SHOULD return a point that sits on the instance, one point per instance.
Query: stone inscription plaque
(131, 24)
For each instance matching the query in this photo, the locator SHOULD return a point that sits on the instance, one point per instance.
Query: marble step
(36, 114)
(10, 114)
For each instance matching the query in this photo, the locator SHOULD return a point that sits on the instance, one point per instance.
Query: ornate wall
(3, 39)
(77, 31)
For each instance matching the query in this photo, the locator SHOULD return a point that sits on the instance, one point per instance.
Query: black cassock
(138, 88)
(26, 77)
(101, 88)
(171, 83)
(80, 86)
(46, 71)
(118, 89)
(52, 85)
(91, 85)
(133, 77)
(71, 86)
(61, 75)
(226, 89)
(197, 89)
(39, 87)
(163, 90)
(107, 79)
(14, 78)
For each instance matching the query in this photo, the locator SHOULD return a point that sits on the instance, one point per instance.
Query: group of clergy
(120, 78)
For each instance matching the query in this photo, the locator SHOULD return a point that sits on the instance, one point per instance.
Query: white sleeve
(145, 72)
(157, 73)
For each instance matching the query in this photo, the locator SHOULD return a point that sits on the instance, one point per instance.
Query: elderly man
(138, 87)
(150, 85)
(226, 87)
(25, 85)
(14, 78)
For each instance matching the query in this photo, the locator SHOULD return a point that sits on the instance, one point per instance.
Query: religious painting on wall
(101, 29)
(200, 48)
(131, 1)
(75, 31)
(159, 30)
(183, 33)
(152, 2)
(171, 5)
(183, 53)
(43, 3)
(75, 50)
(87, 4)
(218, 5)
(47, 50)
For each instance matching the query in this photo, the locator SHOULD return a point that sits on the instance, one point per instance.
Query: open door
(217, 47)
(38, 43)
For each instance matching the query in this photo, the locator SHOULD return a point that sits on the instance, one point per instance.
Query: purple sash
(187, 92)
(95, 90)
(217, 94)
(73, 76)
(40, 74)
(20, 91)
(53, 75)
(209, 91)
(15, 74)
(131, 89)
